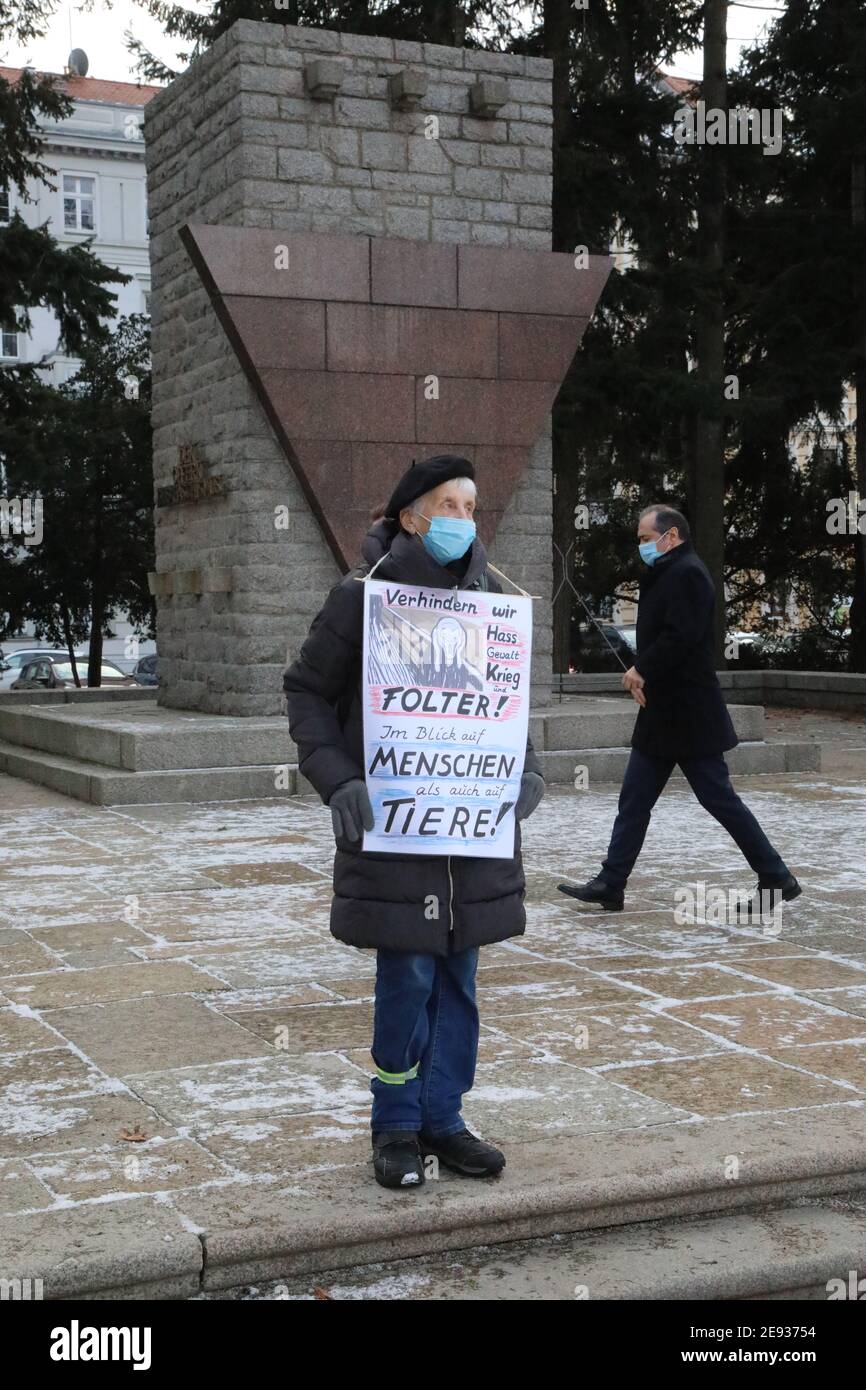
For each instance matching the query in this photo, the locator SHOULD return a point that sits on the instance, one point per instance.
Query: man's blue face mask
(649, 551)
(448, 537)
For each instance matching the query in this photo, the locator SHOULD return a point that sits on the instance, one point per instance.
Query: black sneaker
(397, 1159)
(766, 898)
(464, 1153)
(598, 892)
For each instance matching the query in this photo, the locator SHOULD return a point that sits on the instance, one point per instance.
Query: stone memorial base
(115, 753)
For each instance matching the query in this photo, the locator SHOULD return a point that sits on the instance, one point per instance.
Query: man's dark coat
(685, 714)
(429, 903)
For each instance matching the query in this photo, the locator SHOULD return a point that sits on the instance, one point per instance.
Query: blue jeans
(425, 1040)
(709, 779)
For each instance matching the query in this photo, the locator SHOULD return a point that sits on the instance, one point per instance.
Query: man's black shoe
(397, 1159)
(766, 898)
(464, 1153)
(598, 891)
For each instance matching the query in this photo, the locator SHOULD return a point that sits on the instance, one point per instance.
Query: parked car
(145, 670)
(12, 665)
(48, 674)
(593, 649)
(734, 640)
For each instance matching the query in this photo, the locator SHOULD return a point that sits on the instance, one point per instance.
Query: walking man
(682, 720)
(425, 915)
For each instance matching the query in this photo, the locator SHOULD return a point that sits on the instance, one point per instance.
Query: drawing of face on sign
(420, 650)
(449, 664)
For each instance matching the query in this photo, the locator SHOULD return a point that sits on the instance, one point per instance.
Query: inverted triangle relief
(367, 352)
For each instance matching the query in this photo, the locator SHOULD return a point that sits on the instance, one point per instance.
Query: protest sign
(446, 715)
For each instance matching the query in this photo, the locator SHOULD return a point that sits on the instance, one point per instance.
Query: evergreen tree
(34, 269)
(801, 319)
(469, 22)
(620, 423)
(84, 448)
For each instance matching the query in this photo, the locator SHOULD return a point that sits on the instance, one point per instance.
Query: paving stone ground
(177, 1023)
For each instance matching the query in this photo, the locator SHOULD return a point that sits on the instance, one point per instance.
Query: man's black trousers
(709, 779)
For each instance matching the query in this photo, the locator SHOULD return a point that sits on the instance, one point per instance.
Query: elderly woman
(425, 1034)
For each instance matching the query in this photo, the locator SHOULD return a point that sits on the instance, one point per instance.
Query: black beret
(424, 476)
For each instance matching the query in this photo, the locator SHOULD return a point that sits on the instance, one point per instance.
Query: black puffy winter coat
(685, 714)
(384, 900)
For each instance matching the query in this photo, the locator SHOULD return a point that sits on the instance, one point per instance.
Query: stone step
(791, 1252)
(109, 786)
(696, 1184)
(609, 764)
(145, 737)
(97, 695)
(616, 1189)
(588, 723)
(103, 786)
(843, 690)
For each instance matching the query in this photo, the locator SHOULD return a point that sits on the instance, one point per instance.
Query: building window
(145, 299)
(5, 205)
(79, 203)
(8, 342)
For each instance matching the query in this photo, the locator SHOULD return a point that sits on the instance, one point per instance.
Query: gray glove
(351, 811)
(532, 788)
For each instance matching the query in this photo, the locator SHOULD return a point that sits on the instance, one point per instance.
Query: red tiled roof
(93, 88)
(681, 86)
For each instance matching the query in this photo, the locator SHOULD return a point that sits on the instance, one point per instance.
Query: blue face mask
(448, 537)
(649, 551)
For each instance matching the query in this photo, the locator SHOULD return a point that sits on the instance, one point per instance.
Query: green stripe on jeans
(397, 1078)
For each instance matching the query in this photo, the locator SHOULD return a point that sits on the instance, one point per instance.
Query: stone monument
(351, 268)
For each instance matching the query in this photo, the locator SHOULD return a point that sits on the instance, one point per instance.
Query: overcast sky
(101, 34)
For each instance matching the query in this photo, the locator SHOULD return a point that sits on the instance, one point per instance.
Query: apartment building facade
(96, 158)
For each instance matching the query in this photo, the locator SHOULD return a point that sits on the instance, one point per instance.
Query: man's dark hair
(666, 517)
